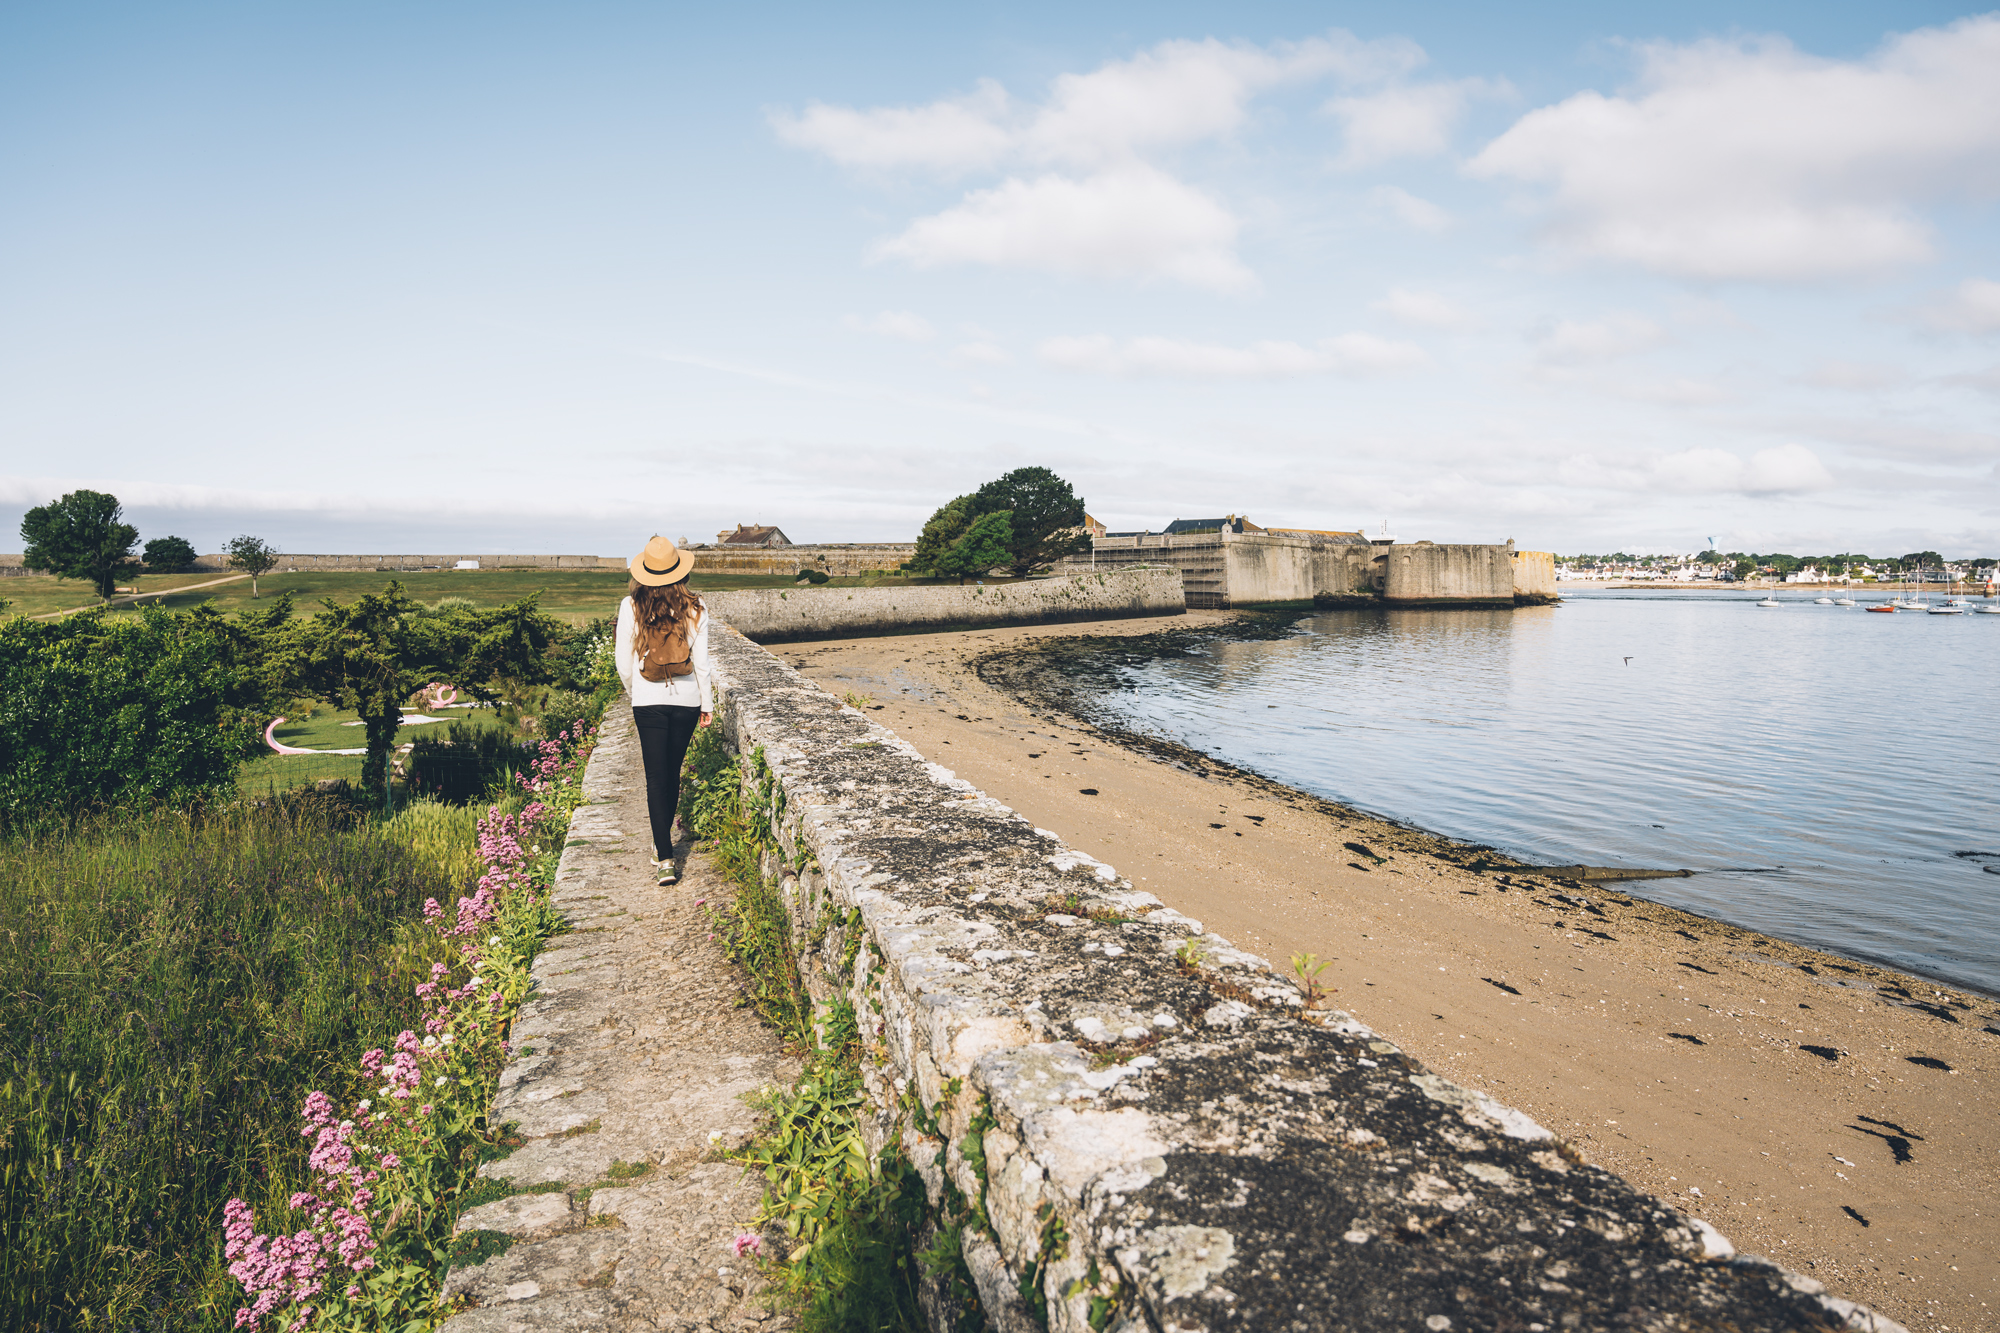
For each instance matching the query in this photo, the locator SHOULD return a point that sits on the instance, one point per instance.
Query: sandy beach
(1841, 1118)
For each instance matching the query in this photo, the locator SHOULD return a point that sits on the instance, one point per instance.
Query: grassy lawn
(35, 595)
(334, 729)
(576, 596)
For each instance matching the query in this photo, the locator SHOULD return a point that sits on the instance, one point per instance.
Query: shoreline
(1025, 682)
(1679, 1051)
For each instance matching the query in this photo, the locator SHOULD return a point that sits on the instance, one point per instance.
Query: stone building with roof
(747, 535)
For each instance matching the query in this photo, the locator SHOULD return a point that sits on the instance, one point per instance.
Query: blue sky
(519, 278)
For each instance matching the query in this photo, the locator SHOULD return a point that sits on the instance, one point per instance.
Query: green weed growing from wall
(852, 1223)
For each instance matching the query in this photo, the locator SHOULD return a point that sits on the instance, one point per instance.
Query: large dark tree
(940, 531)
(168, 555)
(373, 655)
(82, 536)
(982, 546)
(1047, 517)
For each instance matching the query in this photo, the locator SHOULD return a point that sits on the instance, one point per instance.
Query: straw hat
(661, 563)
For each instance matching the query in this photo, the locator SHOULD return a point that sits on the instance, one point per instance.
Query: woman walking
(663, 660)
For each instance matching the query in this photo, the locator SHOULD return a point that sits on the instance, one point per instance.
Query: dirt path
(132, 599)
(632, 1051)
(1836, 1116)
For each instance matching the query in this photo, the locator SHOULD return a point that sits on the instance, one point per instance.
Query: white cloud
(1784, 469)
(1752, 160)
(1350, 354)
(1419, 213)
(1972, 307)
(1854, 376)
(1100, 207)
(1405, 120)
(1572, 341)
(958, 134)
(901, 324)
(1175, 93)
(982, 353)
(1781, 470)
(1424, 310)
(1134, 222)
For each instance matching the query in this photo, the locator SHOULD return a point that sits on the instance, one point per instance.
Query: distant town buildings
(746, 535)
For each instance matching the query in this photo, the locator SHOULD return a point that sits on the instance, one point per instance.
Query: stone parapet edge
(1156, 1130)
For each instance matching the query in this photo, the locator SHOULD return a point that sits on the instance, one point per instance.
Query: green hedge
(98, 711)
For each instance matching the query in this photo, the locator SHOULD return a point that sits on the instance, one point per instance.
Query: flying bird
(1628, 661)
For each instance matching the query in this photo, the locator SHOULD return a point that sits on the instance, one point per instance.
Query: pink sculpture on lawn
(271, 739)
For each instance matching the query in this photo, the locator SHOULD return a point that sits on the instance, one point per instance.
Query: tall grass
(171, 986)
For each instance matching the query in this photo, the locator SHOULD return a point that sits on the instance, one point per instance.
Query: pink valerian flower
(292, 1273)
(749, 1243)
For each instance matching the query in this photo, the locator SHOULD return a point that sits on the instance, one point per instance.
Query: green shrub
(566, 711)
(97, 712)
(168, 555)
(444, 606)
(170, 989)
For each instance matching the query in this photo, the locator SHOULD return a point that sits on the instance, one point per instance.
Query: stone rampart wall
(1157, 1133)
(1426, 573)
(1534, 576)
(770, 615)
(289, 562)
(839, 560)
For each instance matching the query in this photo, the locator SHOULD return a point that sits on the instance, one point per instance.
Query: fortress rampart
(771, 615)
(1220, 570)
(1152, 1129)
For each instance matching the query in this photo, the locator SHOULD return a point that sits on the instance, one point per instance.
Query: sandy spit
(1840, 1117)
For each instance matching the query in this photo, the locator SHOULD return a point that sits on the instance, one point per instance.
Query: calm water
(1818, 765)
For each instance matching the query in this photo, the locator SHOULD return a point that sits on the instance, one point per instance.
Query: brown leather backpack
(666, 652)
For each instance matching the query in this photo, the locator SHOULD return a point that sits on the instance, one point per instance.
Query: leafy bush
(566, 712)
(168, 555)
(465, 762)
(444, 606)
(127, 711)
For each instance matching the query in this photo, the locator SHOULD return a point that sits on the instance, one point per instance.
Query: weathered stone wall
(1534, 577)
(1197, 558)
(770, 615)
(1427, 573)
(1223, 570)
(289, 563)
(1158, 1131)
(839, 560)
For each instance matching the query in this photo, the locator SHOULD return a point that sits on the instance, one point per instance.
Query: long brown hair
(661, 608)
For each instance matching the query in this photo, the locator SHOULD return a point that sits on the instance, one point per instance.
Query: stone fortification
(1435, 574)
(770, 615)
(835, 559)
(1155, 1132)
(1220, 570)
(291, 563)
(1534, 578)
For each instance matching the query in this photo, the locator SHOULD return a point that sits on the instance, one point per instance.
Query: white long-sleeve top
(691, 691)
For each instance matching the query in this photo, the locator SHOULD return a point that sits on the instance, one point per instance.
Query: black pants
(664, 733)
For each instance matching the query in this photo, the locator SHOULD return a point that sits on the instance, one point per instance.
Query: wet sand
(1672, 1049)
